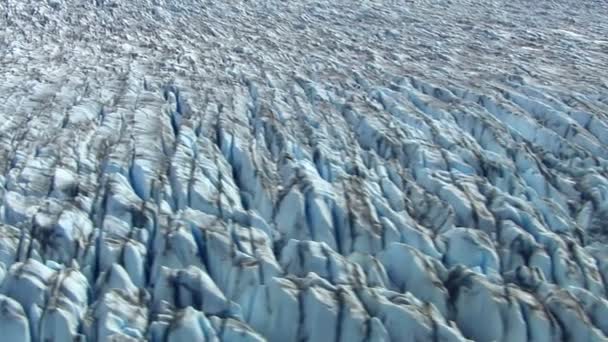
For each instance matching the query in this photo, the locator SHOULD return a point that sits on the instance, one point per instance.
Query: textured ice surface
(424, 170)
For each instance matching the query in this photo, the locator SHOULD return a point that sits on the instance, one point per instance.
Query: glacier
(315, 170)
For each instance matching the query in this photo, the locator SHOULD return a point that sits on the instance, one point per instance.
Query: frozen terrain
(423, 170)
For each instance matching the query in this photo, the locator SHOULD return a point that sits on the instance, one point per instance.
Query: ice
(472, 248)
(303, 170)
(411, 271)
(116, 314)
(55, 300)
(190, 326)
(13, 321)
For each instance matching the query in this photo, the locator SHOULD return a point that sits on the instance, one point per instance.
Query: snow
(304, 170)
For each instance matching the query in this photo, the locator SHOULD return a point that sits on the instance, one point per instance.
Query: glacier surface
(264, 170)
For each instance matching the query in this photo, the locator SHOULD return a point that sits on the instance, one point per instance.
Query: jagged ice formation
(316, 170)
